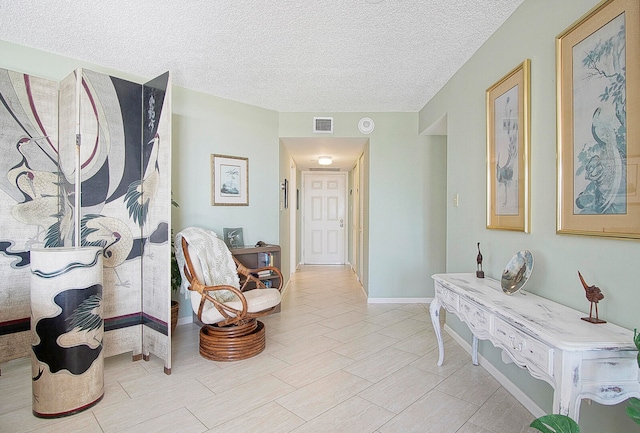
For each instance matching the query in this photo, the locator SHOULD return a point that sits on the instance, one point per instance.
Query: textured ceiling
(285, 55)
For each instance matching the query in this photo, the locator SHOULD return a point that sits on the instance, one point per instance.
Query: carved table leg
(474, 350)
(434, 310)
(566, 397)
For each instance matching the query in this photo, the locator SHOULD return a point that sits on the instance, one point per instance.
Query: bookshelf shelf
(257, 257)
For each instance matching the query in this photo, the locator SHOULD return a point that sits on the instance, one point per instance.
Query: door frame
(304, 210)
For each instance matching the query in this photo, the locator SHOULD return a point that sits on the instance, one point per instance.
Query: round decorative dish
(517, 272)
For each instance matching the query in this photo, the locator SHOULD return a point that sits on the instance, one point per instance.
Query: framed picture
(508, 151)
(233, 237)
(229, 181)
(285, 187)
(598, 98)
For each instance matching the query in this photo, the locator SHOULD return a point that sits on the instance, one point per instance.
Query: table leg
(434, 310)
(474, 350)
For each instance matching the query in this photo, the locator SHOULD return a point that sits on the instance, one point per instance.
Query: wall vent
(323, 169)
(323, 125)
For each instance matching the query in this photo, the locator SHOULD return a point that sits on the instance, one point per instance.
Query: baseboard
(529, 404)
(399, 300)
(185, 320)
(286, 286)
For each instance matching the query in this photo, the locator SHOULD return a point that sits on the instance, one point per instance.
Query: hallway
(333, 363)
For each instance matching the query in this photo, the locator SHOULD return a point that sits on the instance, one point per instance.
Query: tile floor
(333, 363)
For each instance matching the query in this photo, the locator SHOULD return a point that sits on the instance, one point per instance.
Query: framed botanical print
(508, 151)
(598, 109)
(229, 181)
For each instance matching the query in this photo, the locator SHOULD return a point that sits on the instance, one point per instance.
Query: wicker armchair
(229, 313)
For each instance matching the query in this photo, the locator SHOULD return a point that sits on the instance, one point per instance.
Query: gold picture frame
(229, 180)
(598, 140)
(508, 151)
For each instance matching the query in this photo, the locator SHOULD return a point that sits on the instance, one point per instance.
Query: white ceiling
(285, 55)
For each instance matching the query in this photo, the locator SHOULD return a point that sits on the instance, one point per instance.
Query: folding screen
(118, 134)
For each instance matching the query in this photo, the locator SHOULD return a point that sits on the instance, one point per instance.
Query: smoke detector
(366, 125)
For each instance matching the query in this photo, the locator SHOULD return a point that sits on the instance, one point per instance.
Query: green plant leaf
(633, 410)
(555, 423)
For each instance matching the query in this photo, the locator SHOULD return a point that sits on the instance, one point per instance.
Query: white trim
(284, 289)
(399, 300)
(185, 320)
(516, 392)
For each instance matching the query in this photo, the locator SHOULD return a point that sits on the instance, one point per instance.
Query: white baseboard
(529, 404)
(185, 320)
(286, 286)
(399, 300)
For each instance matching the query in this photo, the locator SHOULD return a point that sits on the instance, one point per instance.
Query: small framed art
(229, 180)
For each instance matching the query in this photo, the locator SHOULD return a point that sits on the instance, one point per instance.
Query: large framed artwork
(508, 151)
(598, 98)
(229, 180)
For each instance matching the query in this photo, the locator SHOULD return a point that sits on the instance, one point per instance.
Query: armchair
(229, 314)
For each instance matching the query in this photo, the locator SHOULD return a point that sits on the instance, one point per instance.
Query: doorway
(324, 216)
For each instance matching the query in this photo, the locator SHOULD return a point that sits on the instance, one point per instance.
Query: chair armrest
(250, 275)
(230, 314)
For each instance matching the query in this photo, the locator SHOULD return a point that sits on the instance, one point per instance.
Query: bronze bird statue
(479, 272)
(594, 295)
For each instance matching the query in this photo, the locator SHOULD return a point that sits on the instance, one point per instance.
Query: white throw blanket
(213, 257)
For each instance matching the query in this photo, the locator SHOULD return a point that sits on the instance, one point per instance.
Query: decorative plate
(517, 272)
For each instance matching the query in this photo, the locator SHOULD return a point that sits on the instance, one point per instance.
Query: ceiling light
(325, 160)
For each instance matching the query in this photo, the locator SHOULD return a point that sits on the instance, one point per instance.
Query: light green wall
(399, 200)
(611, 264)
(205, 125)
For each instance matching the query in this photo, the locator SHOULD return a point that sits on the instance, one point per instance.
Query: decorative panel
(332, 241)
(124, 198)
(29, 196)
(316, 241)
(316, 208)
(332, 208)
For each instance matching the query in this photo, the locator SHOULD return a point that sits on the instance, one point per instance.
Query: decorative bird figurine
(479, 272)
(594, 295)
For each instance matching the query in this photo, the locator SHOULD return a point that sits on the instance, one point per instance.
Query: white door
(324, 218)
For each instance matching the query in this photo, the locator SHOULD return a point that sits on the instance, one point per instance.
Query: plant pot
(174, 315)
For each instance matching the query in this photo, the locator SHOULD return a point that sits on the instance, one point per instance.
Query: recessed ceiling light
(325, 160)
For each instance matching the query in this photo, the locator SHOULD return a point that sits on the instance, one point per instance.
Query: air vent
(323, 125)
(324, 169)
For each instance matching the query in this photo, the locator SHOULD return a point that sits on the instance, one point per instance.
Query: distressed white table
(578, 359)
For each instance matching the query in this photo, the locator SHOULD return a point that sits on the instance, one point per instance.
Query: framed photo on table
(598, 109)
(508, 151)
(229, 180)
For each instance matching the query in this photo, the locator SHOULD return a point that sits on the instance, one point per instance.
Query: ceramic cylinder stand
(67, 359)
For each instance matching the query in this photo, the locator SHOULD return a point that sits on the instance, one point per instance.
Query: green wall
(610, 264)
(400, 164)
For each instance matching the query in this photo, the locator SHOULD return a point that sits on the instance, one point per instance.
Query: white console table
(578, 359)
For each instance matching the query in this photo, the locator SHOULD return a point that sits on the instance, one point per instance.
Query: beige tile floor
(333, 363)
